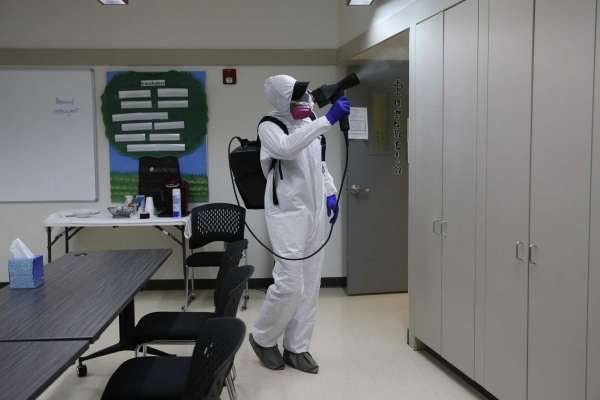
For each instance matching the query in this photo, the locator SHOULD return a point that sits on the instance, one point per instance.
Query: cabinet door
(460, 184)
(594, 285)
(560, 197)
(426, 291)
(507, 193)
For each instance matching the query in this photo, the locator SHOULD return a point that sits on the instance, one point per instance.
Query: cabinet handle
(444, 228)
(435, 222)
(518, 247)
(533, 249)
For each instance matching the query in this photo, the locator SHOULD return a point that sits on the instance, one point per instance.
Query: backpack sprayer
(245, 168)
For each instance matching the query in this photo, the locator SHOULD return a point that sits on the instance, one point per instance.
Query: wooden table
(82, 294)
(69, 226)
(28, 368)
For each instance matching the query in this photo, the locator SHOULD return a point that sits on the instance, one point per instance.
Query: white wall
(353, 21)
(233, 111)
(199, 24)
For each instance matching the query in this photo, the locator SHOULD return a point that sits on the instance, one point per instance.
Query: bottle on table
(176, 203)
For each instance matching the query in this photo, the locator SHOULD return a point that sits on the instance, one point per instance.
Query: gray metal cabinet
(446, 183)
(563, 79)
(507, 198)
(538, 318)
(593, 384)
(427, 278)
(538, 189)
(460, 184)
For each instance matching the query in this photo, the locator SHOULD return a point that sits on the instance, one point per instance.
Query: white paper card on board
(172, 104)
(172, 92)
(359, 123)
(136, 104)
(132, 137)
(134, 94)
(139, 126)
(158, 126)
(136, 148)
(165, 137)
(149, 116)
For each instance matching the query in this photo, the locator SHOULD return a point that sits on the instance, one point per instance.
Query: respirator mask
(301, 103)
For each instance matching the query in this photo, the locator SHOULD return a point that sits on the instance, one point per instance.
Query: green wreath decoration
(195, 116)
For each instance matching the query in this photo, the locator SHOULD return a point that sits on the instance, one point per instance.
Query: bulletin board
(156, 114)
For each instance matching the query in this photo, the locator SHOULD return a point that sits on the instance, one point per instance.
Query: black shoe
(270, 357)
(301, 361)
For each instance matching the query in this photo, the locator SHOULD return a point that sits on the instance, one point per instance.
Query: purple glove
(332, 206)
(339, 110)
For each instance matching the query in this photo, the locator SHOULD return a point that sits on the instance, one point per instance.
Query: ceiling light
(360, 2)
(114, 2)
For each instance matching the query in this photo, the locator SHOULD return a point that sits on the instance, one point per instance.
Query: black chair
(232, 256)
(182, 327)
(215, 222)
(200, 377)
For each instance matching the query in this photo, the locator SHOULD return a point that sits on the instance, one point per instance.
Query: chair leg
(246, 289)
(186, 301)
(193, 294)
(231, 387)
(246, 297)
(228, 386)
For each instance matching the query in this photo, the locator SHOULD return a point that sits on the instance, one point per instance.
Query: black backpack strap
(313, 117)
(274, 162)
(276, 121)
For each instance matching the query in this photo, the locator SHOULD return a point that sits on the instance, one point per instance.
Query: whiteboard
(47, 135)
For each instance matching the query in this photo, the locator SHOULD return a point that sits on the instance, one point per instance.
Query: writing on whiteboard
(65, 106)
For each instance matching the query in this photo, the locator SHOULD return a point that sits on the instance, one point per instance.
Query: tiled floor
(360, 344)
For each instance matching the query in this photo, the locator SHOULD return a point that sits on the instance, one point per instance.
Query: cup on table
(149, 205)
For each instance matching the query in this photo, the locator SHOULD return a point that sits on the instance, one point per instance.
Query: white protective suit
(297, 225)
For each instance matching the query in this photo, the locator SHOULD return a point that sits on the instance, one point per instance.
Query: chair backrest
(229, 294)
(232, 256)
(213, 357)
(217, 222)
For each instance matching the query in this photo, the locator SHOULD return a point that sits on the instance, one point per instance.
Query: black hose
(250, 229)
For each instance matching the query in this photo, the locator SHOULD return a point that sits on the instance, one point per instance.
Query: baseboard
(2, 284)
(339, 282)
(256, 283)
(459, 373)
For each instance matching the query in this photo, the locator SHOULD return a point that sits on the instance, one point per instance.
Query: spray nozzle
(329, 93)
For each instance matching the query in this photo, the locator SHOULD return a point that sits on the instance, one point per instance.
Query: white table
(71, 226)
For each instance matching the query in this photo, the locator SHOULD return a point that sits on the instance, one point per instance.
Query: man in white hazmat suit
(296, 208)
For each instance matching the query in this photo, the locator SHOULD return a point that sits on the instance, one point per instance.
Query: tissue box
(26, 273)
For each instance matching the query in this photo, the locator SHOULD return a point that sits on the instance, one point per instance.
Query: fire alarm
(229, 76)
